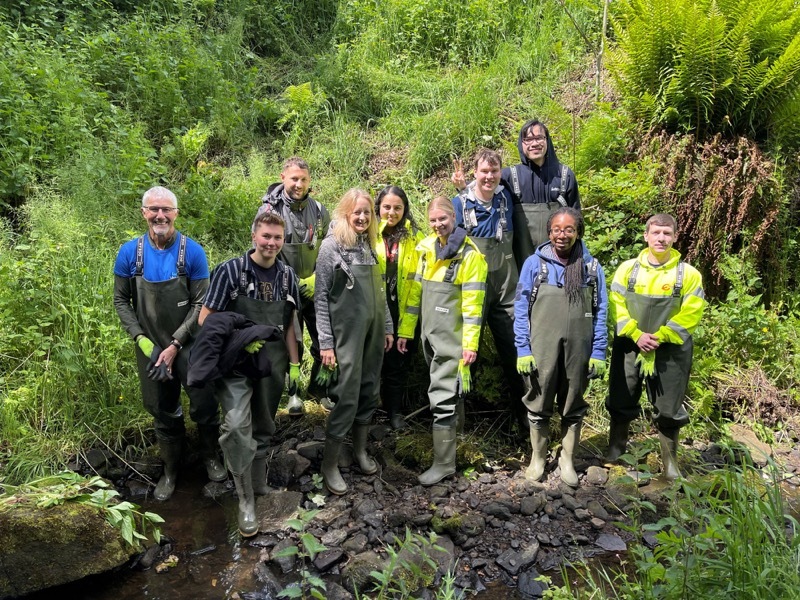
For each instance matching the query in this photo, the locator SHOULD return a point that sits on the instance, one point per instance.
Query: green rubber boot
(248, 524)
(360, 438)
(669, 453)
(570, 439)
(444, 456)
(618, 434)
(259, 471)
(539, 440)
(209, 450)
(170, 452)
(330, 467)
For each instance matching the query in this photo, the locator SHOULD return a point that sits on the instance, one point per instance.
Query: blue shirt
(487, 219)
(162, 265)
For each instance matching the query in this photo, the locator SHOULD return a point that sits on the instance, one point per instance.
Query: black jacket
(219, 350)
(541, 184)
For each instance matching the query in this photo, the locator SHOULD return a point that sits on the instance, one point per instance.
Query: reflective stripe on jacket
(470, 276)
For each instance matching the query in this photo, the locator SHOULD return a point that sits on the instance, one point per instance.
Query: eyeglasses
(565, 231)
(154, 210)
(531, 139)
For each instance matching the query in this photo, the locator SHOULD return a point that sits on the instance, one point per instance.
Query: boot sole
(335, 492)
(442, 478)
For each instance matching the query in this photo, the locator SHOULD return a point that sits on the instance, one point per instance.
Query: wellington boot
(461, 415)
(570, 439)
(618, 434)
(360, 438)
(295, 406)
(393, 404)
(669, 453)
(397, 422)
(209, 449)
(330, 467)
(171, 455)
(259, 471)
(248, 524)
(539, 441)
(444, 456)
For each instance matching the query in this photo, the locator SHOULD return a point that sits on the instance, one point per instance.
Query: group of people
(370, 287)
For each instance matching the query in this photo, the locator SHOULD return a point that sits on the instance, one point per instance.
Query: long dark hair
(573, 273)
(400, 228)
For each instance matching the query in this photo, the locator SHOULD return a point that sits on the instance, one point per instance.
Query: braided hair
(573, 272)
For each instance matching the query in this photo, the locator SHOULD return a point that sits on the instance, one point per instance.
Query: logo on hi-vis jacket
(442, 309)
(666, 287)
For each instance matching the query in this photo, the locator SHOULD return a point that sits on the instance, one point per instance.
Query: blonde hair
(341, 230)
(442, 203)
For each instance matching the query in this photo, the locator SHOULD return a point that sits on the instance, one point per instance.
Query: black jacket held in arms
(219, 350)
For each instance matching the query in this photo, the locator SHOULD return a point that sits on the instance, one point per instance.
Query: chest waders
(561, 342)
(667, 389)
(161, 307)
(530, 219)
(498, 307)
(357, 308)
(249, 407)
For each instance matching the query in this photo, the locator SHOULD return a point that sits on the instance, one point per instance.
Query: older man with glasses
(160, 280)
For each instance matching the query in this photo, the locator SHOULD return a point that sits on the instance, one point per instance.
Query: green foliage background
(102, 100)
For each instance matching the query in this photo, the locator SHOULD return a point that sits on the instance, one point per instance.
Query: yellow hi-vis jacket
(407, 259)
(470, 278)
(651, 287)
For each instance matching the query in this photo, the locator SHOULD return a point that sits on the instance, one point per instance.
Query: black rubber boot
(618, 434)
(171, 455)
(570, 440)
(444, 456)
(669, 453)
(248, 524)
(360, 438)
(539, 440)
(392, 404)
(330, 467)
(209, 450)
(259, 470)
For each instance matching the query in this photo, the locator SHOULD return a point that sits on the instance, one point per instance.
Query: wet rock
(596, 476)
(513, 562)
(581, 514)
(327, 559)
(400, 517)
(597, 510)
(597, 523)
(364, 508)
(273, 509)
(649, 538)
(216, 489)
(286, 468)
(41, 548)
(96, 459)
(571, 502)
(334, 591)
(356, 544)
(148, 557)
(334, 537)
(611, 542)
(357, 572)
(528, 587)
(374, 520)
(530, 505)
(135, 489)
(311, 450)
(758, 450)
(286, 563)
(497, 509)
(266, 578)
(472, 500)
(422, 520)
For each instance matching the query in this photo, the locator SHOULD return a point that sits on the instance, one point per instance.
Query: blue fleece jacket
(555, 276)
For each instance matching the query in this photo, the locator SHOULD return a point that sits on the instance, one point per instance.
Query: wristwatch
(177, 344)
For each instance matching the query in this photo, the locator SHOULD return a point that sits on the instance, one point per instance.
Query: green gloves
(145, 345)
(326, 376)
(526, 365)
(597, 368)
(647, 363)
(464, 377)
(307, 286)
(294, 377)
(254, 347)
